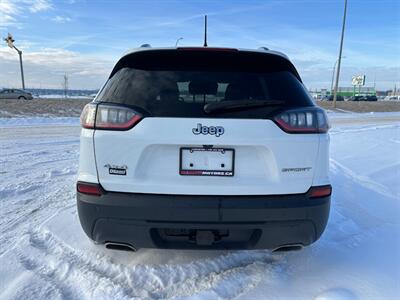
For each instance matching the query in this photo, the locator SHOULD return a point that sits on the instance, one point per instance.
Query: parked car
(338, 98)
(363, 98)
(392, 98)
(357, 98)
(206, 148)
(15, 94)
(371, 98)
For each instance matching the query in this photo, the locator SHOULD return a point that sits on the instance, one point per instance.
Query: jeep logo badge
(213, 130)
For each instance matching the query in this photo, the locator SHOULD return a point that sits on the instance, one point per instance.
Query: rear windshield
(184, 91)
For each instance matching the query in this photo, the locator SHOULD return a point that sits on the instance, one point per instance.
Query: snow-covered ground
(44, 253)
(37, 121)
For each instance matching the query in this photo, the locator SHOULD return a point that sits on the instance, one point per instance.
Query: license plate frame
(199, 172)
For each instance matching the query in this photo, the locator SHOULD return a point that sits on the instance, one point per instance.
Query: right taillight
(109, 117)
(304, 120)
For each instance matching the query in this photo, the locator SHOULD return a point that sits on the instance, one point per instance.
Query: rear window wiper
(239, 104)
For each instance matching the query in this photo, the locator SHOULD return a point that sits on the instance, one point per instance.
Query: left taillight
(303, 120)
(109, 117)
(92, 189)
(114, 117)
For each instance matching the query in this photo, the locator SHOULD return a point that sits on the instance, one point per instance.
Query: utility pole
(65, 85)
(333, 74)
(10, 42)
(340, 55)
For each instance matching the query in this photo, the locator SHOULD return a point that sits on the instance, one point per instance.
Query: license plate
(207, 161)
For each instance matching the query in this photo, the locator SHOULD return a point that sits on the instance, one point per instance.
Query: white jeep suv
(206, 148)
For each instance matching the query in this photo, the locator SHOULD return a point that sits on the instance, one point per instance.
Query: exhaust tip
(120, 246)
(287, 248)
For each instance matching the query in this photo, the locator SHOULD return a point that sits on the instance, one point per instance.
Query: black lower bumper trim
(203, 222)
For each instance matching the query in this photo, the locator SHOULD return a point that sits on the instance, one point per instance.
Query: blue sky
(84, 38)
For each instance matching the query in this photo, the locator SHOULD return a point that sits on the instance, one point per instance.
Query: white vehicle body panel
(150, 151)
(321, 173)
(87, 163)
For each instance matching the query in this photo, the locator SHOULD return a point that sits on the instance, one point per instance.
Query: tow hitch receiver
(204, 237)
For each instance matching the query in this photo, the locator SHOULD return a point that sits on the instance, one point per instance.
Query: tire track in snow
(351, 222)
(227, 284)
(224, 277)
(15, 219)
(37, 183)
(55, 262)
(364, 181)
(46, 275)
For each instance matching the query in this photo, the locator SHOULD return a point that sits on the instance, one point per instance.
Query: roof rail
(263, 48)
(145, 46)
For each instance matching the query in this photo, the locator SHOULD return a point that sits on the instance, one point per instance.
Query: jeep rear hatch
(171, 143)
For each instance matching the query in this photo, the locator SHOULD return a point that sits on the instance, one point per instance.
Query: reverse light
(88, 116)
(109, 117)
(320, 191)
(304, 120)
(89, 188)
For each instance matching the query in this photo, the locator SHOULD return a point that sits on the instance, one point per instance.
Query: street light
(10, 42)
(333, 73)
(177, 41)
(340, 55)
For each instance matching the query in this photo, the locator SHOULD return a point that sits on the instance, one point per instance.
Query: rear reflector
(89, 188)
(320, 191)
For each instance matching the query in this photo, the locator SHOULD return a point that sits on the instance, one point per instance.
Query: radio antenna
(205, 31)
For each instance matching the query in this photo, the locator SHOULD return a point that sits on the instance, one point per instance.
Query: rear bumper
(174, 221)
